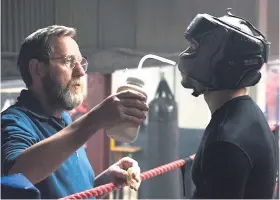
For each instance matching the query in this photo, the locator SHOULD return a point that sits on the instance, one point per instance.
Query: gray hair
(37, 46)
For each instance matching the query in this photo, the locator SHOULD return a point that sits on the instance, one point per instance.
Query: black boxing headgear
(225, 53)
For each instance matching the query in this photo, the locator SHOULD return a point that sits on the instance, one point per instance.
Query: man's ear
(36, 69)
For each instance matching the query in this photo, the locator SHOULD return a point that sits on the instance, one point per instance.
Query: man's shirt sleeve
(16, 136)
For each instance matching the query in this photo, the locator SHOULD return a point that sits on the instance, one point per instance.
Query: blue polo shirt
(23, 125)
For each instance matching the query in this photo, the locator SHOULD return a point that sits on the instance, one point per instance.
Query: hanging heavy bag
(163, 143)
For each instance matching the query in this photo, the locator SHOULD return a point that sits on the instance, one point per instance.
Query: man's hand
(126, 106)
(119, 174)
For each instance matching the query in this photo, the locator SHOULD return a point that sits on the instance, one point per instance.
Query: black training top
(237, 154)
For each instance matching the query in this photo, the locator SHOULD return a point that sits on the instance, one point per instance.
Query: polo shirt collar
(32, 105)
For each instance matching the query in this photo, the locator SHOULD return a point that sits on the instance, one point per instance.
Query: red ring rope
(103, 189)
(273, 126)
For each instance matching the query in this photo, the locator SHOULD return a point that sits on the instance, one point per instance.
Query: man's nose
(78, 70)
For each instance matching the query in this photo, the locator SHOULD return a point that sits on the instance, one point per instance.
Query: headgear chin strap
(225, 53)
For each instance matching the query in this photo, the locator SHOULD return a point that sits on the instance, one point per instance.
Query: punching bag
(163, 144)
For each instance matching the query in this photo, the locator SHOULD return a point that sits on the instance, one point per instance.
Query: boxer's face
(186, 81)
(190, 51)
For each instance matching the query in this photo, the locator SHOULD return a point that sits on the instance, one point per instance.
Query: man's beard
(60, 96)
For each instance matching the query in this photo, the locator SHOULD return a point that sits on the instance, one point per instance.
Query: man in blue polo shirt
(37, 136)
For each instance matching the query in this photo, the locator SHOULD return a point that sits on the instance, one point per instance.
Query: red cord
(103, 189)
(274, 126)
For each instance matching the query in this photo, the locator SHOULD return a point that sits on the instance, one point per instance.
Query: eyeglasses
(71, 61)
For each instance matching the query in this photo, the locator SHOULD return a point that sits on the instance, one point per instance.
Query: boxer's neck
(215, 99)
